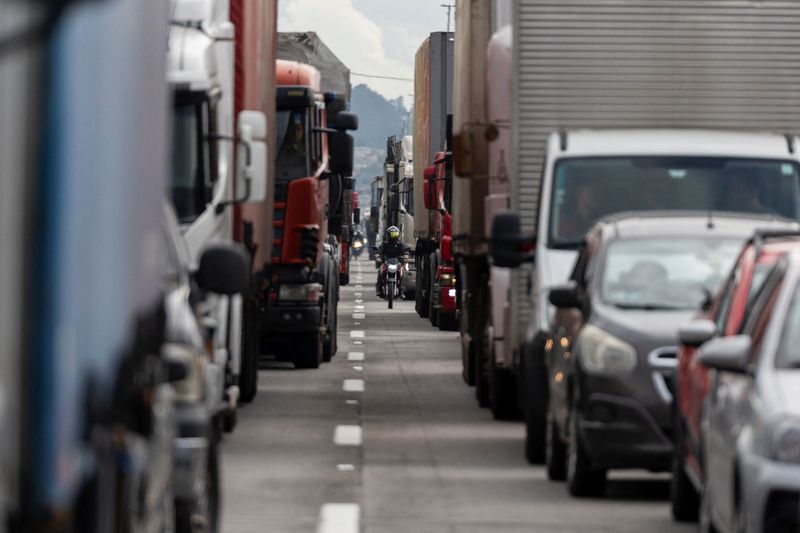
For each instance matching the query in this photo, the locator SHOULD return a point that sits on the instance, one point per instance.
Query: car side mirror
(508, 246)
(565, 296)
(224, 269)
(394, 188)
(252, 157)
(346, 121)
(341, 144)
(697, 332)
(730, 354)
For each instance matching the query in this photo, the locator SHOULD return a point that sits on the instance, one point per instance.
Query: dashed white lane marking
(339, 518)
(358, 343)
(358, 294)
(359, 286)
(345, 467)
(351, 402)
(359, 301)
(347, 435)
(359, 316)
(357, 334)
(358, 368)
(355, 356)
(353, 385)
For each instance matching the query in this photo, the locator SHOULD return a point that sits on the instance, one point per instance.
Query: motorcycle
(358, 245)
(392, 271)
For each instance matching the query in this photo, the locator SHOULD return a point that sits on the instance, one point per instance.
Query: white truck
(214, 167)
(615, 109)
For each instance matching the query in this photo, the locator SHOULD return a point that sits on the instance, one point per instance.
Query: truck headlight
(785, 441)
(307, 292)
(602, 352)
(448, 279)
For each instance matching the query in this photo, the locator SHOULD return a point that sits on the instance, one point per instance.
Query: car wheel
(583, 479)
(202, 515)
(685, 501)
(534, 394)
(555, 456)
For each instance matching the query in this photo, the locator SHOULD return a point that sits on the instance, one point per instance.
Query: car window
(789, 353)
(726, 296)
(763, 308)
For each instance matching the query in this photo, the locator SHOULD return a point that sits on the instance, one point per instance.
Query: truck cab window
(293, 156)
(190, 156)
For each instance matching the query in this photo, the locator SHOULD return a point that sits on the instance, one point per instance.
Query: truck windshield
(293, 156)
(586, 189)
(189, 157)
(665, 273)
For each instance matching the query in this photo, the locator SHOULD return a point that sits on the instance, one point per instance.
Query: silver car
(751, 419)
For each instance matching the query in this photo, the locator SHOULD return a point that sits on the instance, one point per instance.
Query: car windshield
(292, 158)
(587, 189)
(669, 274)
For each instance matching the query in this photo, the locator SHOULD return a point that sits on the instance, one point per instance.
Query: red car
(725, 316)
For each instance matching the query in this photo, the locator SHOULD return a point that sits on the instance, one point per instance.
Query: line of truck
(528, 78)
(171, 215)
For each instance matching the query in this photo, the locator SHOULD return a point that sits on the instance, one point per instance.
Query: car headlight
(602, 352)
(784, 444)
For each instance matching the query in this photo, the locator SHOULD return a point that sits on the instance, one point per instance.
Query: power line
(381, 77)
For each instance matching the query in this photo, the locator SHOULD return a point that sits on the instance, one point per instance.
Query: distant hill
(378, 118)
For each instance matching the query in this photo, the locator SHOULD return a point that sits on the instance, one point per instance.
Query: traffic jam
(561, 292)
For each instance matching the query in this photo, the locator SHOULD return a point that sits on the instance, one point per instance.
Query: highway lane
(388, 438)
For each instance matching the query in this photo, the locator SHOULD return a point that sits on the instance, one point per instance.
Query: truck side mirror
(346, 121)
(429, 190)
(508, 247)
(357, 216)
(224, 269)
(341, 145)
(565, 296)
(447, 248)
(394, 188)
(251, 157)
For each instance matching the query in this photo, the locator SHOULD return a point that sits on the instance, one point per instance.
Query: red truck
(299, 288)
(433, 83)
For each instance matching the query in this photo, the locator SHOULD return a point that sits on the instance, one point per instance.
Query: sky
(377, 37)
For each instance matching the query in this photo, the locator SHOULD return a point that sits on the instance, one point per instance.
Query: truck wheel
(481, 373)
(248, 376)
(583, 479)
(447, 322)
(534, 399)
(202, 514)
(502, 392)
(422, 292)
(229, 419)
(308, 353)
(433, 313)
(329, 346)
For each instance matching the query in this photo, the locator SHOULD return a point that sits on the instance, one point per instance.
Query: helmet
(393, 233)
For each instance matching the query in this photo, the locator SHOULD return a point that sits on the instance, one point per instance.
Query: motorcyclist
(390, 248)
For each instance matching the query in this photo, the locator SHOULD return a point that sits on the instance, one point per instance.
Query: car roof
(633, 225)
(686, 142)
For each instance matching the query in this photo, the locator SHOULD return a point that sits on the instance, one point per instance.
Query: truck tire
(534, 395)
(481, 373)
(684, 498)
(308, 353)
(502, 392)
(447, 322)
(555, 457)
(422, 293)
(202, 515)
(433, 314)
(248, 374)
(330, 345)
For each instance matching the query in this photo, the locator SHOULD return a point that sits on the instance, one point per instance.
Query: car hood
(641, 326)
(787, 387)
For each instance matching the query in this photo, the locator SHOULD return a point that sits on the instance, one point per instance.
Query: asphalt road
(396, 443)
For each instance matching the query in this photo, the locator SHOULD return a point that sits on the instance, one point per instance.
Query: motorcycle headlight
(784, 442)
(602, 352)
(392, 268)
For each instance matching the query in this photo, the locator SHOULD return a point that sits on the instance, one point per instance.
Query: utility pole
(449, 8)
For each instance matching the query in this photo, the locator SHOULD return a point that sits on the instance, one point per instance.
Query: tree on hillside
(378, 118)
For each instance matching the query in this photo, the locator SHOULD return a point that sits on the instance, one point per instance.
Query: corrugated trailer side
(723, 64)
(422, 74)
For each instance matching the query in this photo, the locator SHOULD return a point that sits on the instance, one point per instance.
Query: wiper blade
(648, 307)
